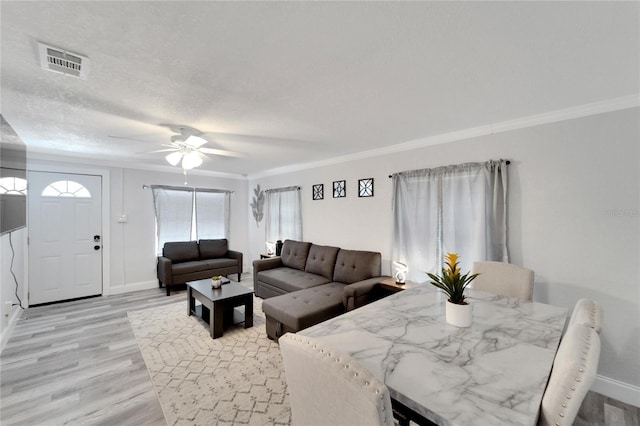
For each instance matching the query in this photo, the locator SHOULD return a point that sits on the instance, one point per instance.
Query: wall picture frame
(365, 187)
(318, 191)
(339, 189)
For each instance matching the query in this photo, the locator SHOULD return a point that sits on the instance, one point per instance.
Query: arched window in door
(66, 188)
(13, 185)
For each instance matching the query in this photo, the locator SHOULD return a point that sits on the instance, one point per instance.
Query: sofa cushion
(294, 254)
(182, 251)
(305, 308)
(220, 263)
(355, 265)
(289, 279)
(189, 267)
(210, 249)
(321, 260)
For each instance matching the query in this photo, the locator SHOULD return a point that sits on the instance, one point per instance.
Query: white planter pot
(216, 283)
(459, 315)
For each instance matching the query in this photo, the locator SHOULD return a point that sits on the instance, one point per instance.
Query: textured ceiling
(295, 82)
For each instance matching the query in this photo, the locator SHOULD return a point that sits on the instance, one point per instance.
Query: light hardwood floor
(78, 363)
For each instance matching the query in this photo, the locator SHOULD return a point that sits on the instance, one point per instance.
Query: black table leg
(248, 311)
(217, 320)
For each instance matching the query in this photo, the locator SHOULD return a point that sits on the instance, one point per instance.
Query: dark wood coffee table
(218, 304)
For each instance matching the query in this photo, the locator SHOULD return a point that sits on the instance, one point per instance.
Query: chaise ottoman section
(301, 309)
(290, 280)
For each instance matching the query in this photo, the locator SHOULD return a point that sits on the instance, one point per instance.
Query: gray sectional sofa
(310, 283)
(196, 260)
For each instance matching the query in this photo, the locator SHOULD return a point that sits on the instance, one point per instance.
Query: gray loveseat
(310, 283)
(196, 260)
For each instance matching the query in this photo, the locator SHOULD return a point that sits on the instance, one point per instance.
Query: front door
(65, 237)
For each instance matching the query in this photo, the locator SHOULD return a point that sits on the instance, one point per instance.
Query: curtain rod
(182, 188)
(508, 162)
(286, 188)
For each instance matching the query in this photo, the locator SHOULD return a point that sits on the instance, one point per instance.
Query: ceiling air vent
(60, 61)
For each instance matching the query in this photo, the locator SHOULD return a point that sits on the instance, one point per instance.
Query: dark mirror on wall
(13, 180)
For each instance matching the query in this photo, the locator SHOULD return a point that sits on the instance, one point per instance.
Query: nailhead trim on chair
(347, 366)
(593, 314)
(578, 378)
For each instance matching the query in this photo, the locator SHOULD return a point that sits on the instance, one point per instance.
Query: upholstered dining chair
(573, 373)
(503, 278)
(587, 312)
(327, 387)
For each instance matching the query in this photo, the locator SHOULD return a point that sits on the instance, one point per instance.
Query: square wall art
(365, 187)
(318, 191)
(339, 189)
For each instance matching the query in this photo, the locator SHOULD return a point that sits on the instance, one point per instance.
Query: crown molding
(586, 110)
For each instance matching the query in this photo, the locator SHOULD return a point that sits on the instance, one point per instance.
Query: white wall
(574, 218)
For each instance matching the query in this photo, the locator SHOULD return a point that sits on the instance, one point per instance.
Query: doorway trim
(57, 167)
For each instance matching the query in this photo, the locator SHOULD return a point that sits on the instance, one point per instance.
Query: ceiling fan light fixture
(174, 158)
(191, 160)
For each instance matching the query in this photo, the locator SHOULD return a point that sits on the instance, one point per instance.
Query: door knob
(96, 247)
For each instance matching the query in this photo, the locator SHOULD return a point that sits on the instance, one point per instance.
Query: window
(212, 214)
(459, 209)
(13, 185)
(283, 215)
(190, 214)
(66, 188)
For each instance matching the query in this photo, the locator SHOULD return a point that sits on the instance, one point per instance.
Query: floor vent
(60, 61)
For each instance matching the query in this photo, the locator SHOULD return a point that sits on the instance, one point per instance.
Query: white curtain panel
(174, 212)
(212, 214)
(283, 216)
(459, 209)
(416, 221)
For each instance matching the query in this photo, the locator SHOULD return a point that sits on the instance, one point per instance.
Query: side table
(391, 285)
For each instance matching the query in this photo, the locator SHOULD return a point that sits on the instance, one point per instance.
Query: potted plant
(458, 311)
(216, 281)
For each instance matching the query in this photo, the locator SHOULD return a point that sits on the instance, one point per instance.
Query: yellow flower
(452, 259)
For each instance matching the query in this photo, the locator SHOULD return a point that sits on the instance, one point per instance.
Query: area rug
(235, 379)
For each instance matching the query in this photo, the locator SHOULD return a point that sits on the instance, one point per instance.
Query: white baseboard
(615, 389)
(129, 287)
(15, 315)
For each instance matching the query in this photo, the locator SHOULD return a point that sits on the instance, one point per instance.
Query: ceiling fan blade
(162, 150)
(221, 152)
(195, 141)
(255, 139)
(126, 139)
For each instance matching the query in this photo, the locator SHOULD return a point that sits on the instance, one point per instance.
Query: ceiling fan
(186, 148)
(190, 152)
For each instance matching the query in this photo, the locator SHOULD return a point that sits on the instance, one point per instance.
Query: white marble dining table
(492, 373)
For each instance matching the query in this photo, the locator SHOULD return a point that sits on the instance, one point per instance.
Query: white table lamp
(401, 270)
